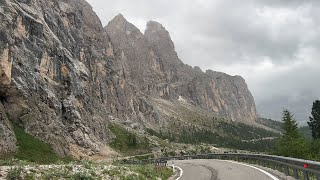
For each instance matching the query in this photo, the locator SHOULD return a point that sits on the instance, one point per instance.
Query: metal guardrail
(298, 168)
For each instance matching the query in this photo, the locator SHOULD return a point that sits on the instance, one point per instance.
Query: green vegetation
(291, 143)
(237, 136)
(94, 171)
(127, 142)
(141, 157)
(294, 144)
(277, 125)
(14, 173)
(235, 142)
(82, 176)
(314, 123)
(151, 172)
(33, 150)
(162, 135)
(306, 132)
(244, 131)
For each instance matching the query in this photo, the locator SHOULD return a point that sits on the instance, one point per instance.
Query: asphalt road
(220, 170)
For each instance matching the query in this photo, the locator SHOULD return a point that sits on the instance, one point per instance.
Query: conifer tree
(314, 123)
(290, 126)
(291, 143)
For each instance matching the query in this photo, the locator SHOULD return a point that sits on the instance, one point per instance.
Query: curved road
(204, 169)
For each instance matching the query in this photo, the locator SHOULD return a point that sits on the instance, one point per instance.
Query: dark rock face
(55, 63)
(138, 62)
(63, 77)
(225, 95)
(7, 140)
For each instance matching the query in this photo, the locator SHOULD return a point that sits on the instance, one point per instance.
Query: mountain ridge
(180, 77)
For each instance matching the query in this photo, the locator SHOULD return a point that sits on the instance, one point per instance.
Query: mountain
(64, 78)
(151, 62)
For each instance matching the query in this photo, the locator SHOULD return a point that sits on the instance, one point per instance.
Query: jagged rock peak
(157, 34)
(161, 42)
(155, 26)
(120, 24)
(119, 18)
(198, 69)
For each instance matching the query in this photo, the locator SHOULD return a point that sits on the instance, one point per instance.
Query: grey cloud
(286, 3)
(244, 32)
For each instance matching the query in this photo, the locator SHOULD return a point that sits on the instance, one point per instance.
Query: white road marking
(181, 171)
(263, 171)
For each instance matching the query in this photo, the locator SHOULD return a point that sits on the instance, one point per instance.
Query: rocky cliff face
(223, 94)
(55, 63)
(63, 77)
(8, 140)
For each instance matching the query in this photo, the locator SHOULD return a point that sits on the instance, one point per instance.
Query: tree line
(293, 144)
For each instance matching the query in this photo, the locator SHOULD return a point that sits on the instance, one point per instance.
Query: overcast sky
(273, 44)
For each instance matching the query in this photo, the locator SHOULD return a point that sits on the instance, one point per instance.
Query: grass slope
(127, 142)
(32, 149)
(277, 125)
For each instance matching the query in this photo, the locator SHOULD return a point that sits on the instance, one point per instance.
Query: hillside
(276, 125)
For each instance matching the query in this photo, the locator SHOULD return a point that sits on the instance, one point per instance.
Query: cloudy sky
(273, 44)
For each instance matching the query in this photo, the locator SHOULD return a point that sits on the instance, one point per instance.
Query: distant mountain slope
(276, 125)
(305, 130)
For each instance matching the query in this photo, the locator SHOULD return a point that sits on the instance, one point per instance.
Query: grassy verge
(151, 172)
(88, 170)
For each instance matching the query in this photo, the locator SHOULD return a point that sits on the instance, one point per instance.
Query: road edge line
(181, 171)
(261, 170)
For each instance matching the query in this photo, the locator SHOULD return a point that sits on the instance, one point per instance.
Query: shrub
(82, 176)
(15, 173)
(127, 142)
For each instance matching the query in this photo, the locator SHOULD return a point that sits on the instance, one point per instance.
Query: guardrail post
(280, 168)
(305, 175)
(273, 165)
(296, 174)
(286, 169)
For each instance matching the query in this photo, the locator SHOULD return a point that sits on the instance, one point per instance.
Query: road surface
(220, 170)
